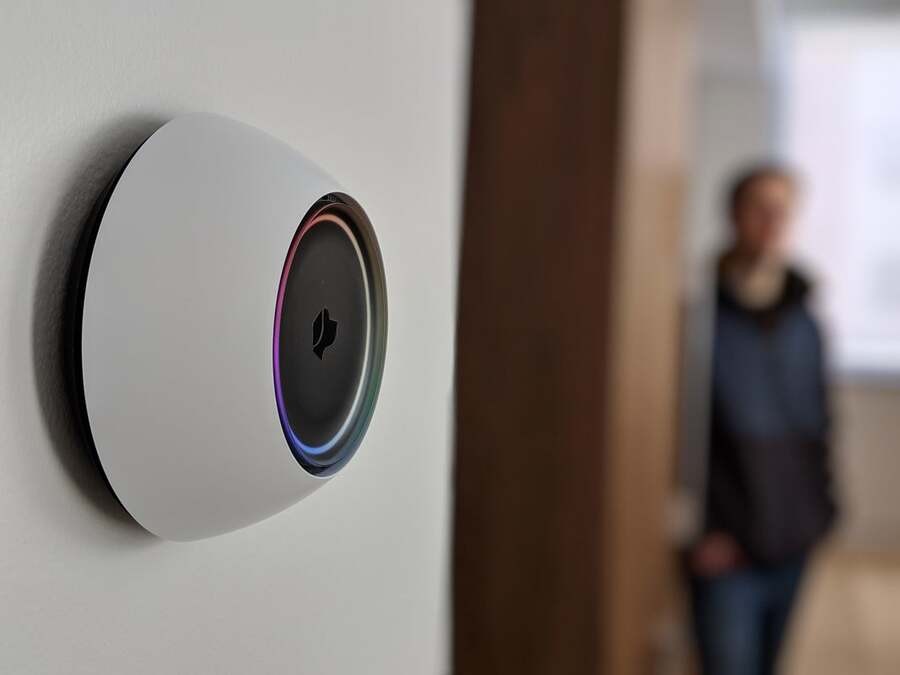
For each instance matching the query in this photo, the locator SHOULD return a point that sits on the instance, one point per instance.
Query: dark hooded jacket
(769, 481)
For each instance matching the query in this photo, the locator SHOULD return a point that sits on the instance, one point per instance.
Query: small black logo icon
(324, 332)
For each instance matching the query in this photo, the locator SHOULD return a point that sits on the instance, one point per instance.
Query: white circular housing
(229, 328)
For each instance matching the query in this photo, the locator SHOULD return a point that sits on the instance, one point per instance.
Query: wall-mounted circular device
(228, 328)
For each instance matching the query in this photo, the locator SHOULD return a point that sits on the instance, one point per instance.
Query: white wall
(734, 124)
(353, 580)
(734, 121)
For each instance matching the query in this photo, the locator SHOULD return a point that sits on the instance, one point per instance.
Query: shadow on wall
(116, 142)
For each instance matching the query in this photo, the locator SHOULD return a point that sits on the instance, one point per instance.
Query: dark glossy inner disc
(323, 335)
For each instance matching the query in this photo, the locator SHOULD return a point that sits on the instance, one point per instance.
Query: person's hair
(744, 181)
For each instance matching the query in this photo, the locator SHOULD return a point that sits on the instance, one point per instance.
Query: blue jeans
(741, 618)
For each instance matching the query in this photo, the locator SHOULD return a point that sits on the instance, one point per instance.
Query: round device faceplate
(328, 344)
(170, 329)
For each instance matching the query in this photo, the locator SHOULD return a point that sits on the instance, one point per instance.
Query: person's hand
(715, 554)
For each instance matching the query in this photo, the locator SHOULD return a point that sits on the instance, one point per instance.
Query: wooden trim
(641, 578)
(532, 336)
(567, 334)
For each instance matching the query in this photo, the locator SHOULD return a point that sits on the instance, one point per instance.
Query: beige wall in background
(867, 459)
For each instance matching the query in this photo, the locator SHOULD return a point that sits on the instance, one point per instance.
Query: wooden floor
(848, 622)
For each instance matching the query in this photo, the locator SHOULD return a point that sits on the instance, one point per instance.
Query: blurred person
(768, 493)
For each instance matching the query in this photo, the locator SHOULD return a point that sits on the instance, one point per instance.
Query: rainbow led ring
(326, 457)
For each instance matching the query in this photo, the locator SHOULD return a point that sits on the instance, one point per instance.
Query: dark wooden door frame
(564, 187)
(532, 336)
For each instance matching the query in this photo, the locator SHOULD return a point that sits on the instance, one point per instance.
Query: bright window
(842, 130)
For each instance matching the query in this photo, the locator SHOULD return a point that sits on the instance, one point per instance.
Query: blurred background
(710, 366)
(814, 84)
